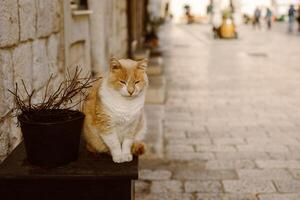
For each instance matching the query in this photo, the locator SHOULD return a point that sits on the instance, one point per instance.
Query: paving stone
(242, 155)
(205, 174)
(198, 134)
(174, 134)
(189, 141)
(263, 148)
(295, 173)
(179, 148)
(147, 174)
(169, 186)
(266, 174)
(248, 186)
(286, 186)
(191, 156)
(226, 97)
(164, 196)
(279, 196)
(239, 197)
(213, 148)
(228, 141)
(202, 186)
(291, 164)
(230, 164)
(9, 21)
(208, 196)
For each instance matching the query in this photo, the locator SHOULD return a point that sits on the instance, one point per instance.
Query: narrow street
(231, 123)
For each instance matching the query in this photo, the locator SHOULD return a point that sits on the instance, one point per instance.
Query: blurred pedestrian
(269, 15)
(298, 18)
(188, 14)
(291, 15)
(256, 21)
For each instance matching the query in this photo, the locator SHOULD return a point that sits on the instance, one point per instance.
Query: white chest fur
(122, 110)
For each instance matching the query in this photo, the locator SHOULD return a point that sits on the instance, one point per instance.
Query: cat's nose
(130, 92)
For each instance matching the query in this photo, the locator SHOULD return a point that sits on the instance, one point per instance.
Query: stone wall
(108, 25)
(31, 33)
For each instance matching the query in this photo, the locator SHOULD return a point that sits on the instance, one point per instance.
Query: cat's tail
(138, 148)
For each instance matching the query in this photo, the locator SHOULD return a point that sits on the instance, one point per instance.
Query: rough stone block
(9, 23)
(45, 17)
(203, 186)
(53, 53)
(15, 135)
(27, 14)
(6, 81)
(169, 186)
(248, 186)
(57, 7)
(147, 174)
(4, 137)
(22, 62)
(154, 136)
(141, 186)
(40, 64)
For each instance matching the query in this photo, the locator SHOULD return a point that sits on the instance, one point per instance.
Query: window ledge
(81, 12)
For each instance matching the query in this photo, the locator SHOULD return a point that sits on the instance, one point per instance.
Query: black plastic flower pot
(51, 137)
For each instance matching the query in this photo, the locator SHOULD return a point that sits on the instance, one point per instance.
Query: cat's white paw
(127, 157)
(117, 158)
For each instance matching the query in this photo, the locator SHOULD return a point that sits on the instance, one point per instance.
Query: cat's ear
(114, 64)
(143, 64)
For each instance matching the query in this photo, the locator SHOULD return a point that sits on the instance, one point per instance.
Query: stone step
(155, 66)
(154, 136)
(156, 92)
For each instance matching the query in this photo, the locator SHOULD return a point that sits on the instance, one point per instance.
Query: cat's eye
(123, 82)
(137, 82)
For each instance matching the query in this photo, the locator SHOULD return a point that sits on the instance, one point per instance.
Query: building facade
(43, 37)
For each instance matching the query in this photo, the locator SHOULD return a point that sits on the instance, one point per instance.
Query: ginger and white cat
(114, 110)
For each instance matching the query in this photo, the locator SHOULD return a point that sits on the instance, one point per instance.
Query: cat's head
(128, 77)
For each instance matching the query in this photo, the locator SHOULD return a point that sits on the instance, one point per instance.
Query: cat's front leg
(113, 143)
(126, 149)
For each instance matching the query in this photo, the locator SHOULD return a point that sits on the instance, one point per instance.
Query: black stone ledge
(88, 167)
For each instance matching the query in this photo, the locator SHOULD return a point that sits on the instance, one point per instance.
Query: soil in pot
(51, 137)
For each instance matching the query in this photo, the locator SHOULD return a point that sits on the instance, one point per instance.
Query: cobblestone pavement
(231, 123)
